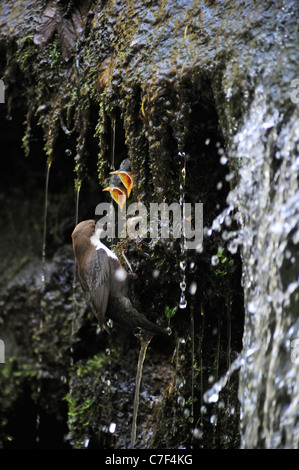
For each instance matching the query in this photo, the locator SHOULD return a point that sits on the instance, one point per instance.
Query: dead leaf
(68, 25)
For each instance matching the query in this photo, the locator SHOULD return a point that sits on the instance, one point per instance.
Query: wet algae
(157, 78)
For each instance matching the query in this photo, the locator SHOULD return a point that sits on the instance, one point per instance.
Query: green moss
(88, 404)
(224, 262)
(13, 375)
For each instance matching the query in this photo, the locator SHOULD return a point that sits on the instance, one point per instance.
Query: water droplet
(120, 274)
(213, 398)
(107, 351)
(86, 442)
(180, 383)
(183, 285)
(181, 400)
(252, 307)
(214, 260)
(199, 248)
(112, 428)
(183, 302)
(193, 288)
(169, 331)
(228, 220)
(68, 152)
(110, 323)
(183, 265)
(233, 247)
(213, 420)
(229, 176)
(156, 273)
(223, 160)
(197, 434)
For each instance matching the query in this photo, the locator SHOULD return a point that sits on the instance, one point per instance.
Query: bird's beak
(126, 178)
(119, 195)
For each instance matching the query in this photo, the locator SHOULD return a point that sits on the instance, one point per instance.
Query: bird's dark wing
(95, 281)
(122, 311)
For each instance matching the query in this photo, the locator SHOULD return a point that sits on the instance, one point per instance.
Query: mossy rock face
(152, 82)
(165, 83)
(36, 361)
(101, 398)
(88, 384)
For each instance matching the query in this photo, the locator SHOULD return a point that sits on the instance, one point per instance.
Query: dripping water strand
(218, 345)
(112, 168)
(198, 429)
(74, 303)
(192, 364)
(201, 369)
(112, 164)
(49, 162)
(176, 382)
(41, 316)
(229, 334)
(214, 417)
(144, 342)
(183, 301)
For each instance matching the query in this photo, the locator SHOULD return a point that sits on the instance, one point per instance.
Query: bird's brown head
(81, 237)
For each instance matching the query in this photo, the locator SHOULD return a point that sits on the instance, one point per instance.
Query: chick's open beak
(118, 194)
(126, 178)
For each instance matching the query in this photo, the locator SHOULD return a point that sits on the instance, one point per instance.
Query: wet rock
(213, 81)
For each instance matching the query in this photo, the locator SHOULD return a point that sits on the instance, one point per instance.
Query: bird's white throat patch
(95, 240)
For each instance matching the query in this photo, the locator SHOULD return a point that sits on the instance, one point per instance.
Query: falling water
(74, 302)
(212, 395)
(49, 163)
(201, 370)
(43, 284)
(229, 333)
(183, 301)
(112, 164)
(183, 285)
(192, 363)
(266, 202)
(144, 342)
(268, 197)
(178, 381)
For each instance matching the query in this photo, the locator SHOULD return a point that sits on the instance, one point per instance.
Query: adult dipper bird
(104, 281)
(121, 183)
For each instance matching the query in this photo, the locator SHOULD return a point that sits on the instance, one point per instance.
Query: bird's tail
(121, 310)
